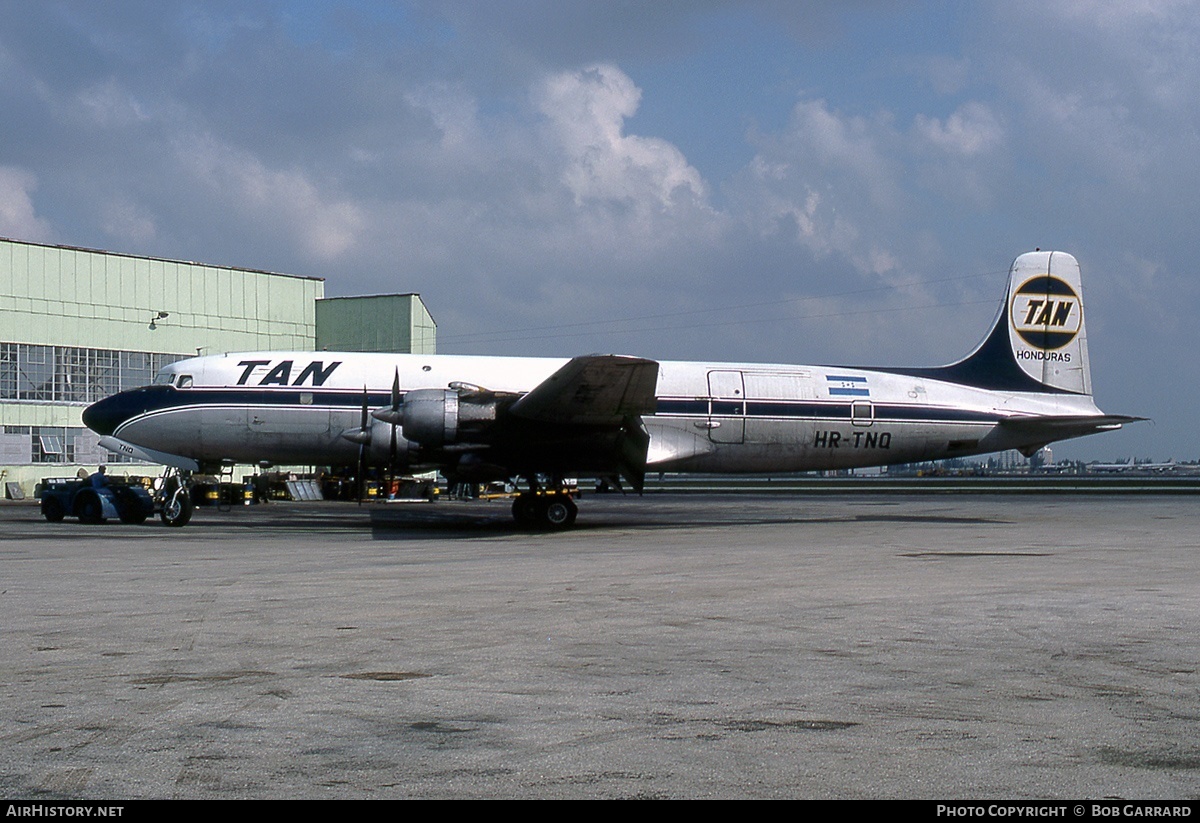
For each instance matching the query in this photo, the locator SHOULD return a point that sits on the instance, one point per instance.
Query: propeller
(395, 415)
(391, 414)
(362, 449)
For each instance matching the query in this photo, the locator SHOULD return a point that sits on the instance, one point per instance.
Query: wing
(590, 412)
(594, 390)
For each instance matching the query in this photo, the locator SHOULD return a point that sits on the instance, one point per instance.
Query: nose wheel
(550, 511)
(175, 498)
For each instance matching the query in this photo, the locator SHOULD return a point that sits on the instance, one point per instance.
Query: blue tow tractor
(97, 501)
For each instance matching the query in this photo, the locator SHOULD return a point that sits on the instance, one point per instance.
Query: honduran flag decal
(844, 385)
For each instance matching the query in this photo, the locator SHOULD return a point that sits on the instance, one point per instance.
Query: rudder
(1046, 322)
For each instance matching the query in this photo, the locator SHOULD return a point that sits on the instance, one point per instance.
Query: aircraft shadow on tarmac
(475, 520)
(447, 521)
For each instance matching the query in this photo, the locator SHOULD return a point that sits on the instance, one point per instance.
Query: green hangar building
(77, 325)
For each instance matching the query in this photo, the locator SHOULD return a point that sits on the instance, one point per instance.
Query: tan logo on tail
(1045, 312)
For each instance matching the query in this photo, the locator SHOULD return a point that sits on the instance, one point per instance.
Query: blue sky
(772, 181)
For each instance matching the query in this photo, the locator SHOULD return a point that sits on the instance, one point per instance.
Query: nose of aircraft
(104, 416)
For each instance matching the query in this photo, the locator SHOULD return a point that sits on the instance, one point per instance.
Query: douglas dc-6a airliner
(539, 420)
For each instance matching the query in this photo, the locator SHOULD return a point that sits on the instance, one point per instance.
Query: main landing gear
(549, 509)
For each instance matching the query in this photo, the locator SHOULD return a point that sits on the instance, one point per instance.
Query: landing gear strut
(550, 509)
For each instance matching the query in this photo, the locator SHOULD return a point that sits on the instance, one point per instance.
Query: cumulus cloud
(587, 110)
(109, 105)
(455, 114)
(550, 193)
(972, 129)
(286, 202)
(825, 180)
(18, 218)
(850, 144)
(1102, 91)
(960, 158)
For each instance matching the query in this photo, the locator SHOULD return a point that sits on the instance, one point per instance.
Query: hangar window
(71, 375)
(8, 370)
(135, 369)
(158, 361)
(103, 374)
(52, 445)
(74, 375)
(35, 373)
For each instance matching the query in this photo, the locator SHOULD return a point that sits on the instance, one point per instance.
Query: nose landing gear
(175, 498)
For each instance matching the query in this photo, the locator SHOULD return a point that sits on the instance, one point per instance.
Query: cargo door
(726, 407)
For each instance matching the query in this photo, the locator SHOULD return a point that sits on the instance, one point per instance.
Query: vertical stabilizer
(1045, 320)
(1037, 342)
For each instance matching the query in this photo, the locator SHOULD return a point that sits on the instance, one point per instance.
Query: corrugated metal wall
(376, 323)
(63, 296)
(74, 321)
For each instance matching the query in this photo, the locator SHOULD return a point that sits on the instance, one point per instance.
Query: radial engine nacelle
(439, 417)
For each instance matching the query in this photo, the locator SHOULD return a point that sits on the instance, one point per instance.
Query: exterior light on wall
(162, 315)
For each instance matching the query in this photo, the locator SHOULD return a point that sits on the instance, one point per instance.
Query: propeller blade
(393, 413)
(362, 452)
(395, 417)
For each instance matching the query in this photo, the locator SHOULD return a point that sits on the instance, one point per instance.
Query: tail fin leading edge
(1038, 342)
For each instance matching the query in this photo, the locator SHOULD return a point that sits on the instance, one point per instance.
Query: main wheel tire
(525, 510)
(52, 509)
(557, 511)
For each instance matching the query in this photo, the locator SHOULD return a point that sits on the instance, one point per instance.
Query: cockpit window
(164, 378)
(184, 382)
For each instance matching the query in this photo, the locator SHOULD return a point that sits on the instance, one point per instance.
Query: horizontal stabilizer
(593, 390)
(1061, 427)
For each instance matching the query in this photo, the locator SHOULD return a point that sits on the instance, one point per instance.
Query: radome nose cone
(104, 416)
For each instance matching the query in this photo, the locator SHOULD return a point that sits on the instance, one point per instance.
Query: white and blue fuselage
(1026, 385)
(708, 417)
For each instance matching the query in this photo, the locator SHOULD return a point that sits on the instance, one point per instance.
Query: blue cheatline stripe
(850, 392)
(852, 378)
(698, 407)
(136, 402)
